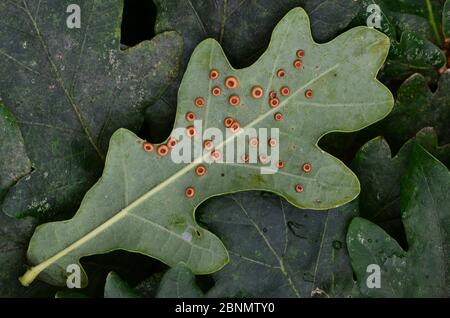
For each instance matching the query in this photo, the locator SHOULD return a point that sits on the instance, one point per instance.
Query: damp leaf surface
(145, 202)
(416, 31)
(14, 162)
(380, 176)
(14, 234)
(278, 250)
(70, 89)
(422, 270)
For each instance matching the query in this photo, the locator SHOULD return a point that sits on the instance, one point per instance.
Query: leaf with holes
(70, 89)
(422, 270)
(296, 92)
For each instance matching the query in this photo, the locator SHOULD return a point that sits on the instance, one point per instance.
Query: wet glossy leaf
(380, 174)
(422, 270)
(415, 29)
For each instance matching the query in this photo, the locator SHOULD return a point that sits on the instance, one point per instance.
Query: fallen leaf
(145, 202)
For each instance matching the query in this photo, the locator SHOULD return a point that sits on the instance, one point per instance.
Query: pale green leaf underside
(139, 203)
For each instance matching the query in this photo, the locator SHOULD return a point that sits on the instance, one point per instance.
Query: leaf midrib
(32, 273)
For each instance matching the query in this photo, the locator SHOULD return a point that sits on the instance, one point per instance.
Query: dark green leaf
(70, 89)
(14, 162)
(115, 287)
(415, 29)
(14, 236)
(422, 270)
(446, 19)
(380, 175)
(277, 250)
(70, 294)
(417, 107)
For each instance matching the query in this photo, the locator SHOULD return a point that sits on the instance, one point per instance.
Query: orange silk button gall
(216, 91)
(190, 192)
(214, 74)
(272, 95)
(309, 93)
(231, 82)
(208, 144)
(235, 127)
(299, 188)
(281, 73)
(272, 142)
(171, 143)
(257, 92)
(216, 155)
(190, 131)
(278, 116)
(298, 64)
(148, 147)
(190, 116)
(274, 102)
(228, 122)
(200, 170)
(254, 142)
(163, 150)
(285, 91)
(300, 53)
(234, 100)
(307, 167)
(199, 102)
